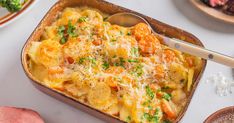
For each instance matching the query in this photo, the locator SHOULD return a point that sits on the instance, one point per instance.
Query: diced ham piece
(19, 115)
(215, 3)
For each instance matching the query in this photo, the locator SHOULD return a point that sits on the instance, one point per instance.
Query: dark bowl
(110, 9)
(225, 115)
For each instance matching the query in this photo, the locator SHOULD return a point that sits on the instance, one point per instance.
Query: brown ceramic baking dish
(110, 9)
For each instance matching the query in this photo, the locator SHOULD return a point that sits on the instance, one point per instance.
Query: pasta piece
(178, 96)
(137, 113)
(115, 32)
(55, 70)
(54, 84)
(178, 73)
(76, 90)
(128, 101)
(33, 50)
(51, 33)
(108, 104)
(69, 14)
(121, 47)
(124, 113)
(92, 16)
(114, 108)
(38, 71)
(56, 77)
(81, 85)
(198, 63)
(190, 78)
(49, 53)
(99, 95)
(77, 49)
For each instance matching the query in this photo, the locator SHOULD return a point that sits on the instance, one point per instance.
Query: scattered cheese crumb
(223, 85)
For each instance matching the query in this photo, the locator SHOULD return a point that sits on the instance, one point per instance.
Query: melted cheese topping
(125, 72)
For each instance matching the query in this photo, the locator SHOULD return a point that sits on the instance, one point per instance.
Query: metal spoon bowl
(126, 19)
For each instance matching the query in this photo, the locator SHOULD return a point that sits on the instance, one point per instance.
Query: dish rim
(34, 81)
(201, 6)
(217, 114)
(11, 17)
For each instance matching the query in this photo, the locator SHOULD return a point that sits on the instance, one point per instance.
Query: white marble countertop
(16, 89)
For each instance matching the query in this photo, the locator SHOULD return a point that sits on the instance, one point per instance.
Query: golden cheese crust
(125, 72)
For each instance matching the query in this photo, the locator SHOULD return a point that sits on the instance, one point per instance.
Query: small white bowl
(8, 17)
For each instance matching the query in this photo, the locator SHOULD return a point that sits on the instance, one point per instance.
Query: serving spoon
(129, 19)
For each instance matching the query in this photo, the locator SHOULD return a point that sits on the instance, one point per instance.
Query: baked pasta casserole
(123, 71)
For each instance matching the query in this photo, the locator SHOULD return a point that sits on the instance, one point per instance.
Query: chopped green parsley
(120, 63)
(166, 96)
(61, 31)
(138, 70)
(81, 60)
(128, 119)
(149, 92)
(152, 118)
(121, 33)
(71, 30)
(133, 60)
(164, 88)
(113, 40)
(134, 52)
(82, 19)
(105, 18)
(105, 65)
(92, 60)
(129, 33)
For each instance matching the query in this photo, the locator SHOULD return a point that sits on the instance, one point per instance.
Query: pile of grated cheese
(223, 85)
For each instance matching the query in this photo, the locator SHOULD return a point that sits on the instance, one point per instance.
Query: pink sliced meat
(215, 3)
(19, 115)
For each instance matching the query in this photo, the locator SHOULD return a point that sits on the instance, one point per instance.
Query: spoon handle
(198, 51)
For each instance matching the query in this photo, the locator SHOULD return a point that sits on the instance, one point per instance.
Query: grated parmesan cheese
(223, 85)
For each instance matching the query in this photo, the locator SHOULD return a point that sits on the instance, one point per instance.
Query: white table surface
(16, 89)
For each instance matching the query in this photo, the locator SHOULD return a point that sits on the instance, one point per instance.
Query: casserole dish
(107, 8)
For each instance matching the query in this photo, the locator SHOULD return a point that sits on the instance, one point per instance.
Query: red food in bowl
(215, 3)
